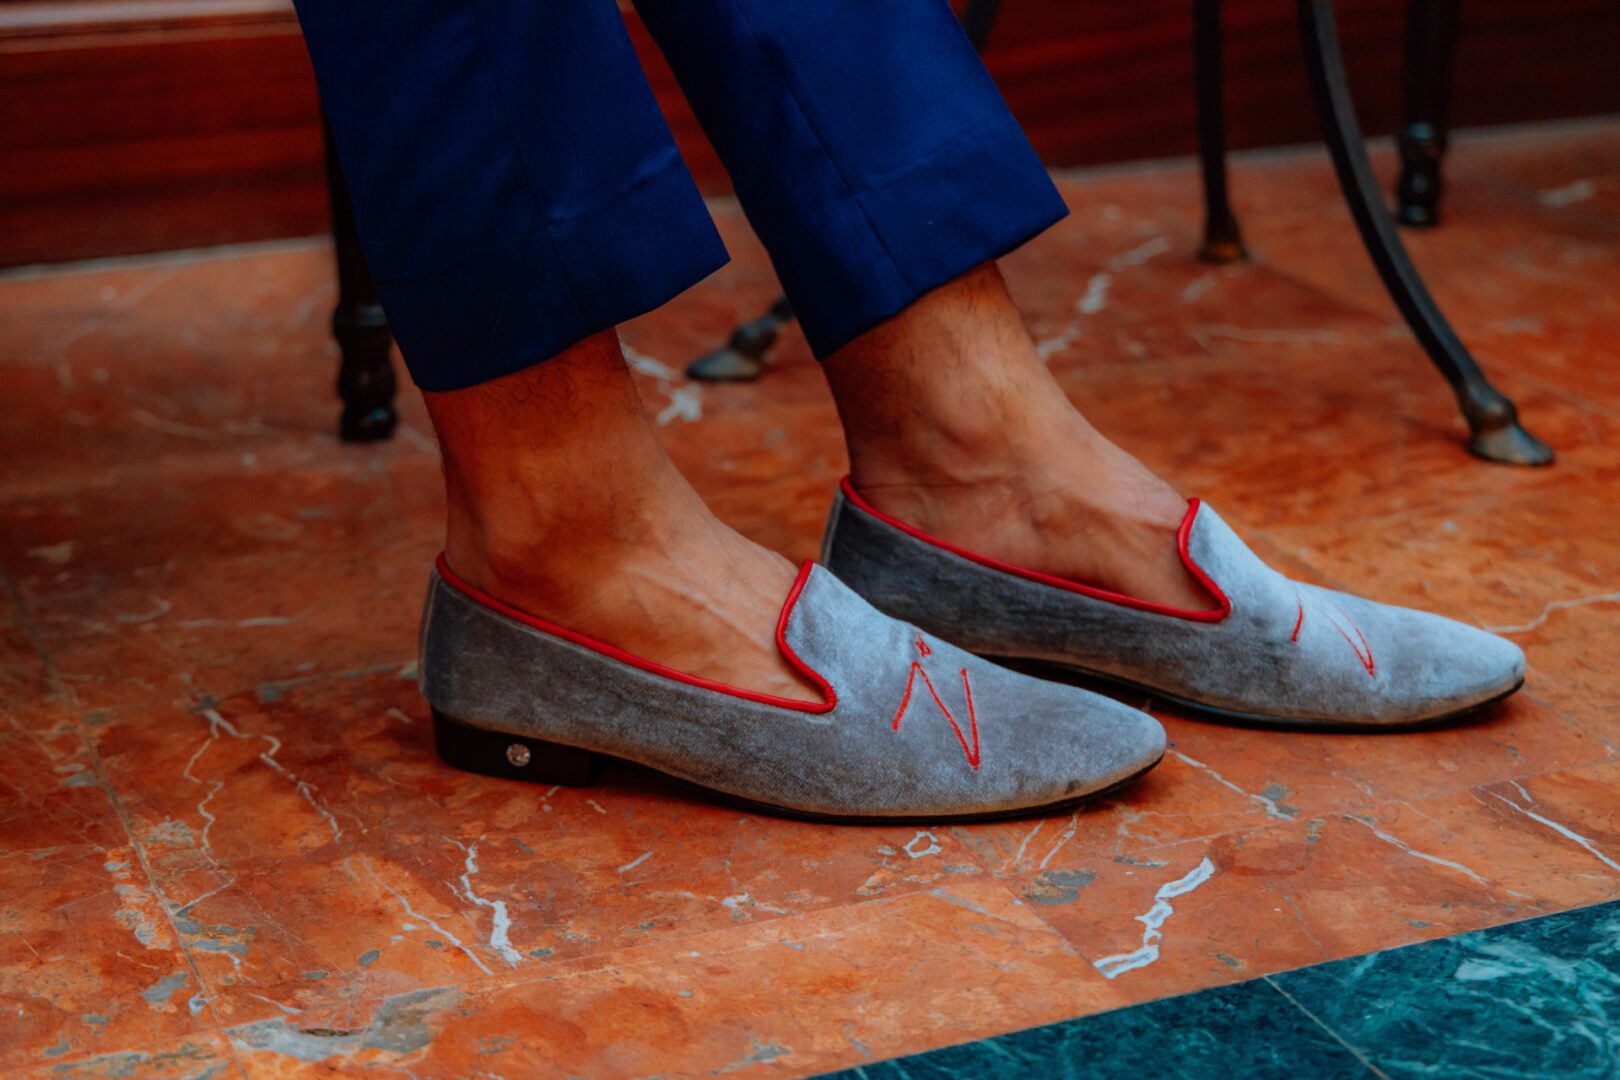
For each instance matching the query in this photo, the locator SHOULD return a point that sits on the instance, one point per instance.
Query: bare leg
(955, 425)
(563, 503)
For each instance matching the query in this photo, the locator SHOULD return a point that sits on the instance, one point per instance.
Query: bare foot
(1118, 534)
(696, 597)
(956, 426)
(563, 504)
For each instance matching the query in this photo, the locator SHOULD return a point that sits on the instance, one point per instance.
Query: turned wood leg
(1223, 241)
(978, 18)
(366, 377)
(1431, 35)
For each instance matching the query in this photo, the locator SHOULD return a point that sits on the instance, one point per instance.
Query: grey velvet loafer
(909, 728)
(1267, 650)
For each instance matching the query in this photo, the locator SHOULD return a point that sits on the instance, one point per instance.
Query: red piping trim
(1183, 534)
(829, 696)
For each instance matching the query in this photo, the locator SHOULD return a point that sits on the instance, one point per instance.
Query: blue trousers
(517, 189)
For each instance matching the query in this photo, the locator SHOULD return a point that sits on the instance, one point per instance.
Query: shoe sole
(539, 761)
(1253, 720)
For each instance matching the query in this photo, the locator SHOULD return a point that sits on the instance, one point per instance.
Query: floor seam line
(23, 619)
(1366, 1063)
(158, 894)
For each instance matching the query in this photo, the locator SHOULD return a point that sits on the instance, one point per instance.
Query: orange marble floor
(226, 847)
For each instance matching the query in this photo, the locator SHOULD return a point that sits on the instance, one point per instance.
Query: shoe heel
(513, 757)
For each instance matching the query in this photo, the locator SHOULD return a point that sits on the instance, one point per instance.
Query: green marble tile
(1531, 999)
(1242, 1032)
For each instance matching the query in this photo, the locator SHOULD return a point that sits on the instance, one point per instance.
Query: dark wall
(188, 124)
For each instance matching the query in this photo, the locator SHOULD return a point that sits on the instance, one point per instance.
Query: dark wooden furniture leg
(978, 19)
(1223, 242)
(366, 377)
(1492, 420)
(1431, 35)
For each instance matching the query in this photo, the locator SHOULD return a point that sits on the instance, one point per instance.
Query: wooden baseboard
(141, 125)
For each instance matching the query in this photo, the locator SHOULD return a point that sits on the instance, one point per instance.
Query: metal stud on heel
(513, 757)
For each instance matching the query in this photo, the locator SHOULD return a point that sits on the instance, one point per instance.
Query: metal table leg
(1492, 420)
(1431, 34)
(366, 377)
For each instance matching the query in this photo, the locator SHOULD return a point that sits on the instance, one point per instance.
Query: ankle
(1083, 485)
(556, 556)
(684, 591)
(1022, 453)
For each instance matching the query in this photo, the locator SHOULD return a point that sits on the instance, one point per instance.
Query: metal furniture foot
(742, 359)
(1431, 35)
(366, 377)
(1495, 431)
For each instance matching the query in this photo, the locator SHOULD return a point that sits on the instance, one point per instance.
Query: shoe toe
(1099, 742)
(1133, 739)
(1047, 743)
(1446, 666)
(1482, 665)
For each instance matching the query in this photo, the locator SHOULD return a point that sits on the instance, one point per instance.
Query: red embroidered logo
(1339, 621)
(972, 752)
